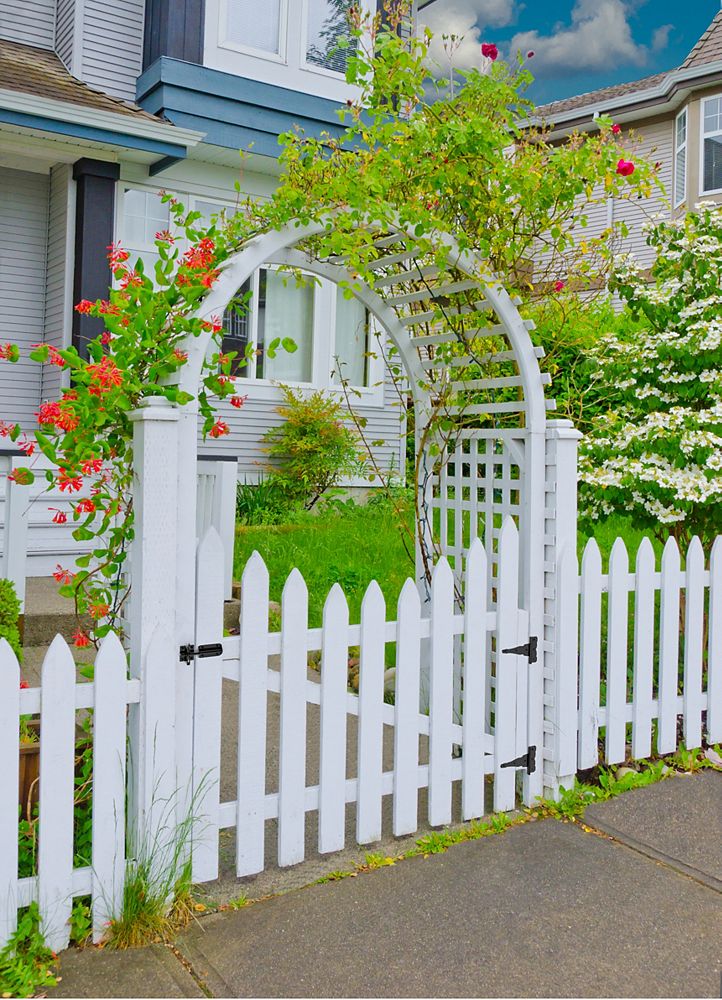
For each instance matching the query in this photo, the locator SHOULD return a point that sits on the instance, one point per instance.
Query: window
(143, 215)
(680, 159)
(259, 27)
(327, 24)
(712, 144)
(351, 355)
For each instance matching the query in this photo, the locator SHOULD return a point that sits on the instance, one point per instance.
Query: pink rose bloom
(490, 50)
(559, 286)
(616, 129)
(625, 168)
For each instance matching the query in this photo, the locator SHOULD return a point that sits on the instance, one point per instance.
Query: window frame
(677, 149)
(324, 317)
(707, 135)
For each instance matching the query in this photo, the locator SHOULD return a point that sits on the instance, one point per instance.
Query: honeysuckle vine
(471, 164)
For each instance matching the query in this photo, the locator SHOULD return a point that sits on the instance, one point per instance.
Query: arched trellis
(479, 402)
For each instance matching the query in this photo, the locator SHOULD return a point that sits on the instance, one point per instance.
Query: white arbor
(485, 449)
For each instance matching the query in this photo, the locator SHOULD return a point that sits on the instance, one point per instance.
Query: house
(103, 103)
(678, 117)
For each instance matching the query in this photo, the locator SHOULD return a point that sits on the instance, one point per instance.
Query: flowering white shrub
(657, 454)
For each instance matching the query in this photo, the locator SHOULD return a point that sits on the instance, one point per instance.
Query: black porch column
(94, 225)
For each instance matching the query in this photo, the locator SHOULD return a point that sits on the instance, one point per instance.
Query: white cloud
(462, 18)
(599, 37)
(660, 38)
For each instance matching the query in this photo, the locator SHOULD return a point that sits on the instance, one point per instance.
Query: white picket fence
(57, 700)
(653, 671)
(484, 748)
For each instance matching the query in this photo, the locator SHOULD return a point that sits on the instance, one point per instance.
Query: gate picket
(693, 644)
(668, 648)
(406, 711)
(9, 777)
(642, 690)
(507, 632)
(292, 745)
(441, 702)
(57, 758)
(714, 662)
(252, 712)
(109, 770)
(207, 706)
(617, 636)
(590, 644)
(474, 683)
(334, 682)
(370, 716)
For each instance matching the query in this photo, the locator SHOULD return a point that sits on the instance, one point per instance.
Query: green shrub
(26, 962)
(314, 449)
(9, 615)
(264, 502)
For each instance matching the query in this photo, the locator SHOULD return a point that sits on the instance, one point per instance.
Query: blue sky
(579, 45)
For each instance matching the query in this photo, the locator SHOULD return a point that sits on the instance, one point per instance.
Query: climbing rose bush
(657, 453)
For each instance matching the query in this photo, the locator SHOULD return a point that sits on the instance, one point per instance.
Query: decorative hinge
(527, 760)
(529, 649)
(189, 652)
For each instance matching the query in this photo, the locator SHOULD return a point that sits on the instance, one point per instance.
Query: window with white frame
(330, 331)
(711, 145)
(287, 43)
(680, 158)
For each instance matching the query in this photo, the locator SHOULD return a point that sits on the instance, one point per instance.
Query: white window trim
(706, 135)
(677, 150)
(324, 322)
(292, 71)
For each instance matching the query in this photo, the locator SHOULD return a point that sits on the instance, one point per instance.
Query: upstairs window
(712, 145)
(680, 158)
(327, 24)
(259, 28)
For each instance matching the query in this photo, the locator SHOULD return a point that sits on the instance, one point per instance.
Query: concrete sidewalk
(630, 904)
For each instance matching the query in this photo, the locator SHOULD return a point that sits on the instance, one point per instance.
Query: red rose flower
(490, 51)
(616, 129)
(625, 168)
(559, 285)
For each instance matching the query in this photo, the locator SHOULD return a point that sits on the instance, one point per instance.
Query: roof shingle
(709, 48)
(40, 72)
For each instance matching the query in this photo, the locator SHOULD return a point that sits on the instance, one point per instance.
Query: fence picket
(642, 684)
(507, 631)
(693, 644)
(109, 769)
(474, 683)
(57, 757)
(714, 655)
(668, 648)
(441, 702)
(370, 721)
(292, 745)
(406, 711)
(617, 638)
(590, 644)
(207, 707)
(334, 686)
(566, 670)
(252, 711)
(9, 776)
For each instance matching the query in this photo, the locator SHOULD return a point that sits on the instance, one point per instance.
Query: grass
(352, 545)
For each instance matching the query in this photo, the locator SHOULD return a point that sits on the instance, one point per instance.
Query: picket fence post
(15, 531)
(9, 776)
(154, 655)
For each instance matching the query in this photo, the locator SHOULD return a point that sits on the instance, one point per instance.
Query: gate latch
(527, 760)
(529, 649)
(190, 652)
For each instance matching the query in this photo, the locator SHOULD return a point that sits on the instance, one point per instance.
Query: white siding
(113, 46)
(23, 255)
(656, 146)
(31, 22)
(58, 290)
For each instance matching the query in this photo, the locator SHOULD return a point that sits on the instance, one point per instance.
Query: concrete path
(629, 904)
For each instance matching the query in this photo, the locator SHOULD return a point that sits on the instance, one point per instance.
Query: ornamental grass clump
(655, 455)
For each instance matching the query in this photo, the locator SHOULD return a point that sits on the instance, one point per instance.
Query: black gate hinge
(189, 652)
(529, 649)
(527, 760)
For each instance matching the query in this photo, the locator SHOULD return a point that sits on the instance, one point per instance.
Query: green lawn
(354, 547)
